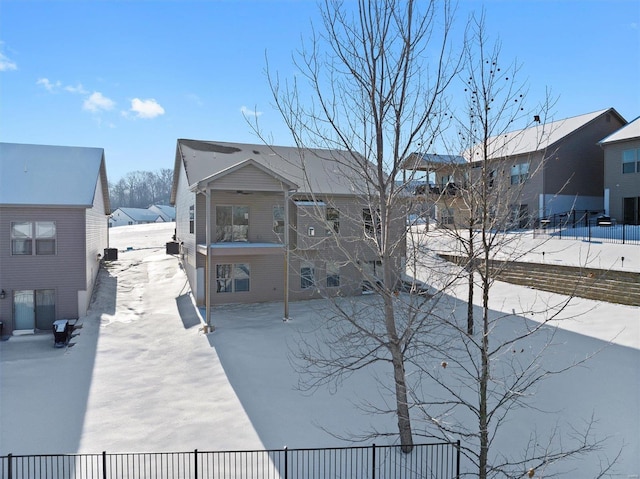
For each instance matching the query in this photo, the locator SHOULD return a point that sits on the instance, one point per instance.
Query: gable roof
(43, 175)
(310, 170)
(537, 138)
(140, 214)
(631, 131)
(167, 212)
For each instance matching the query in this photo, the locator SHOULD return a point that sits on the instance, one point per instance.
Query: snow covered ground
(140, 375)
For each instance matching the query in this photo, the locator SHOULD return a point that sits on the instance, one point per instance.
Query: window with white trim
(232, 278)
(25, 233)
(232, 224)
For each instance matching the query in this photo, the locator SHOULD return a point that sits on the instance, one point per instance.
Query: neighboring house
(622, 173)
(168, 213)
(134, 216)
(244, 200)
(555, 167)
(54, 206)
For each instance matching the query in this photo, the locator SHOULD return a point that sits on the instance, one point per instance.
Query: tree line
(141, 189)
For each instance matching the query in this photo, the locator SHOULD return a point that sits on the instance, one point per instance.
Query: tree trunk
(400, 381)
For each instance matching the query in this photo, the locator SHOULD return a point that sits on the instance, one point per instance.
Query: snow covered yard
(141, 376)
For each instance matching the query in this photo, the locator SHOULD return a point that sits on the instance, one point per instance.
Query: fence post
(458, 460)
(10, 466)
(195, 463)
(286, 462)
(624, 228)
(373, 462)
(589, 230)
(104, 464)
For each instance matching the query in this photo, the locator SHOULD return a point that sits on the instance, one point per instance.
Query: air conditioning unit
(173, 247)
(111, 254)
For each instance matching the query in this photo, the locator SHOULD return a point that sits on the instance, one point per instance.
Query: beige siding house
(238, 206)
(622, 173)
(551, 168)
(54, 207)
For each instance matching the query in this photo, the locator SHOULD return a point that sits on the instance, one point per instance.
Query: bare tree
(140, 189)
(492, 365)
(376, 76)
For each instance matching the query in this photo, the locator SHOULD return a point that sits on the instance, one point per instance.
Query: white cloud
(146, 108)
(98, 102)
(76, 89)
(6, 64)
(247, 112)
(47, 85)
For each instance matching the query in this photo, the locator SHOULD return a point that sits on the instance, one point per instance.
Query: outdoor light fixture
(3, 294)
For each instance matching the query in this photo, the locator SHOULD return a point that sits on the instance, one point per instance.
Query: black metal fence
(587, 226)
(432, 461)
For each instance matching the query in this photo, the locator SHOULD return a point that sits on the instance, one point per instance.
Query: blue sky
(134, 76)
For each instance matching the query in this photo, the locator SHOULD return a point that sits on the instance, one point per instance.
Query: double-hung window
(631, 161)
(307, 276)
(333, 275)
(332, 216)
(27, 234)
(278, 219)
(232, 278)
(519, 173)
(232, 224)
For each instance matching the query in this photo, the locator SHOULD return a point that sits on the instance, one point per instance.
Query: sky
(139, 374)
(133, 76)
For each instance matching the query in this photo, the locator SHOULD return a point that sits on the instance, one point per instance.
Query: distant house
(139, 216)
(622, 173)
(557, 167)
(168, 213)
(54, 205)
(134, 216)
(237, 203)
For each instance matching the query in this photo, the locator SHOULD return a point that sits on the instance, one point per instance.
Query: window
(519, 173)
(333, 275)
(232, 224)
(278, 219)
(631, 161)
(307, 276)
(492, 178)
(333, 220)
(371, 223)
(232, 278)
(24, 233)
(191, 219)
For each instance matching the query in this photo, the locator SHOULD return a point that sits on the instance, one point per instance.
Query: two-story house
(54, 206)
(622, 173)
(550, 168)
(271, 223)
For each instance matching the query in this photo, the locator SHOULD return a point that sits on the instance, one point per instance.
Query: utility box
(173, 247)
(111, 254)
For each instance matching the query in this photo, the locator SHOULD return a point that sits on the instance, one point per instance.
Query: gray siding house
(54, 207)
(622, 173)
(555, 168)
(239, 206)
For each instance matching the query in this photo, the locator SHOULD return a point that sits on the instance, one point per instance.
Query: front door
(34, 309)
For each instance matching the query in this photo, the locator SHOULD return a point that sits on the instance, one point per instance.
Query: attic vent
(256, 152)
(607, 118)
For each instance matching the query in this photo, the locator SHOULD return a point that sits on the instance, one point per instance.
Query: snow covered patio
(139, 374)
